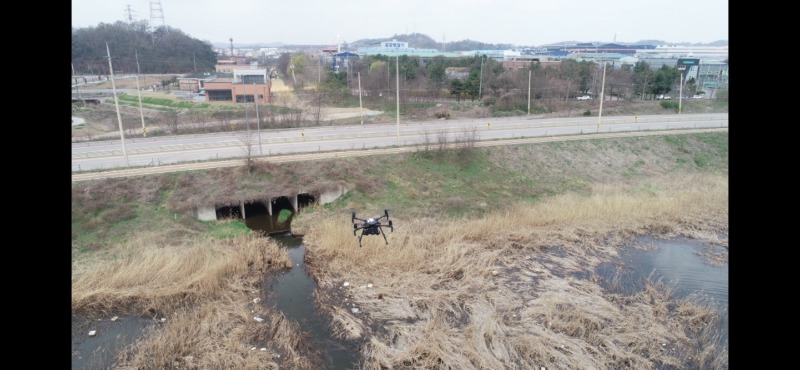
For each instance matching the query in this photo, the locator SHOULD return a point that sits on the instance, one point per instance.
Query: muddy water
(100, 351)
(291, 292)
(693, 269)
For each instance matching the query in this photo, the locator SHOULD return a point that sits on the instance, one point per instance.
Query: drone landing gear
(370, 233)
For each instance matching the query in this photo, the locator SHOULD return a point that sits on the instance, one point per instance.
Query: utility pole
(397, 72)
(360, 106)
(258, 120)
(680, 93)
(480, 80)
(116, 103)
(529, 91)
(139, 91)
(602, 91)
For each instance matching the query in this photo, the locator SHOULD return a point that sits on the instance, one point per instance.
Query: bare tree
(170, 119)
(426, 140)
(316, 107)
(466, 141)
(441, 139)
(248, 150)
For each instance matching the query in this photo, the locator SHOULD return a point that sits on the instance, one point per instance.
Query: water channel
(292, 293)
(679, 263)
(691, 268)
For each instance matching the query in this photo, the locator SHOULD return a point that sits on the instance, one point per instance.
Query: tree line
(136, 47)
(477, 78)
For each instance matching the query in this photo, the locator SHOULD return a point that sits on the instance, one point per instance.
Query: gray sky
(517, 22)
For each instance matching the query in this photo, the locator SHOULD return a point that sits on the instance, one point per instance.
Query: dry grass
(498, 292)
(207, 291)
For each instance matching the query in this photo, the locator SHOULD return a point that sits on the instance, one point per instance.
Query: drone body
(371, 226)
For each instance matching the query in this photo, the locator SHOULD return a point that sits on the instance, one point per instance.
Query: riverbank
(506, 288)
(488, 265)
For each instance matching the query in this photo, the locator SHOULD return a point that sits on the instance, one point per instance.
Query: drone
(372, 226)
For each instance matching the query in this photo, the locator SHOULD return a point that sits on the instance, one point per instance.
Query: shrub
(587, 113)
(666, 104)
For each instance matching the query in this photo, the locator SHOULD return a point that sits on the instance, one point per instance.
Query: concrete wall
(209, 212)
(330, 196)
(206, 213)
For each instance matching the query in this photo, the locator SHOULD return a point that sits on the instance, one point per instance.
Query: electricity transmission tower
(129, 13)
(156, 12)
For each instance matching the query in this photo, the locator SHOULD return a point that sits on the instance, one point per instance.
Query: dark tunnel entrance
(225, 212)
(257, 217)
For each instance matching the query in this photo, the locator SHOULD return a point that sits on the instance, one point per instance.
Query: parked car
(697, 96)
(584, 97)
(663, 97)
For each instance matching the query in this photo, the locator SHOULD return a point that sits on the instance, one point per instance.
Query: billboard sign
(689, 67)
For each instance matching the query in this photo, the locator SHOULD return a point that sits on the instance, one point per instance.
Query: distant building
(244, 87)
(719, 53)
(397, 48)
(193, 83)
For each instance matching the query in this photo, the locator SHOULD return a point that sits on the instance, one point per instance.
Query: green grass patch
(227, 228)
(150, 102)
(716, 140)
(701, 159)
(284, 215)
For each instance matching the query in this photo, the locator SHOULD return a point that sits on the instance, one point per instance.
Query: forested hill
(420, 41)
(163, 50)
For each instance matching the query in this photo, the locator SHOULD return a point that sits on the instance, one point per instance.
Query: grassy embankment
(481, 270)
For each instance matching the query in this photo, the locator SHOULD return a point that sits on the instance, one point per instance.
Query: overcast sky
(517, 22)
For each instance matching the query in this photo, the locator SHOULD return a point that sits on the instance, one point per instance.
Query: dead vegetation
(499, 291)
(207, 293)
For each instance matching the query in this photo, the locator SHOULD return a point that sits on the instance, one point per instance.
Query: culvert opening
(268, 216)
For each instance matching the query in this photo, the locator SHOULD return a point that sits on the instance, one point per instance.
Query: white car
(697, 97)
(584, 97)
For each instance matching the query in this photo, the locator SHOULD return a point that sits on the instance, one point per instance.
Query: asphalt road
(139, 156)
